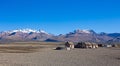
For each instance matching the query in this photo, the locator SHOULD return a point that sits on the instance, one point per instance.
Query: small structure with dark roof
(69, 45)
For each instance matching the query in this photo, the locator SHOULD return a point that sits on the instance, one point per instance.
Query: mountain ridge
(74, 36)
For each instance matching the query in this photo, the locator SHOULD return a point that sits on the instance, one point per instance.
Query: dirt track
(50, 57)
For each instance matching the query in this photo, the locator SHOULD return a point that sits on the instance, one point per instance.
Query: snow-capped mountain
(25, 34)
(42, 31)
(27, 31)
(82, 35)
(22, 30)
(41, 35)
(81, 31)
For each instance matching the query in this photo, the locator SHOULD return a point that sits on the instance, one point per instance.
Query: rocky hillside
(24, 35)
(83, 35)
(75, 36)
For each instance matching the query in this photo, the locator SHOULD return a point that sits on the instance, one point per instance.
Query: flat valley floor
(45, 55)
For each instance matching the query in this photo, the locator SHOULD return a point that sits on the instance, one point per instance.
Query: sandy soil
(11, 56)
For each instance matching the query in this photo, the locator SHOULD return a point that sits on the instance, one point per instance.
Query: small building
(69, 45)
(86, 45)
(100, 45)
(108, 45)
(94, 45)
(114, 45)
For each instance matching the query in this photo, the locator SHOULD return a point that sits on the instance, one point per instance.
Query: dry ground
(42, 54)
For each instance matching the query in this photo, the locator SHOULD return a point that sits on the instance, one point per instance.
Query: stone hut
(94, 45)
(100, 45)
(86, 45)
(69, 45)
(80, 45)
(108, 45)
(114, 45)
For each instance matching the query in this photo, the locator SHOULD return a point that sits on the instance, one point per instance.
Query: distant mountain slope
(114, 41)
(83, 35)
(114, 35)
(75, 36)
(24, 34)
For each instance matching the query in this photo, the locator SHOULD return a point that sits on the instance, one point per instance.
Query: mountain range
(74, 36)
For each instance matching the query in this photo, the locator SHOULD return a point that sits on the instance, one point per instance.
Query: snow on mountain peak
(27, 31)
(82, 31)
(86, 31)
(23, 30)
(42, 31)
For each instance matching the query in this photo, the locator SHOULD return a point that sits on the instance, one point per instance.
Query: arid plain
(43, 54)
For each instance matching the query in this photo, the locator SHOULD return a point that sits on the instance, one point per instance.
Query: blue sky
(60, 16)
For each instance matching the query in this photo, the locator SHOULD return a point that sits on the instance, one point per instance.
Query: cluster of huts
(71, 45)
(86, 45)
